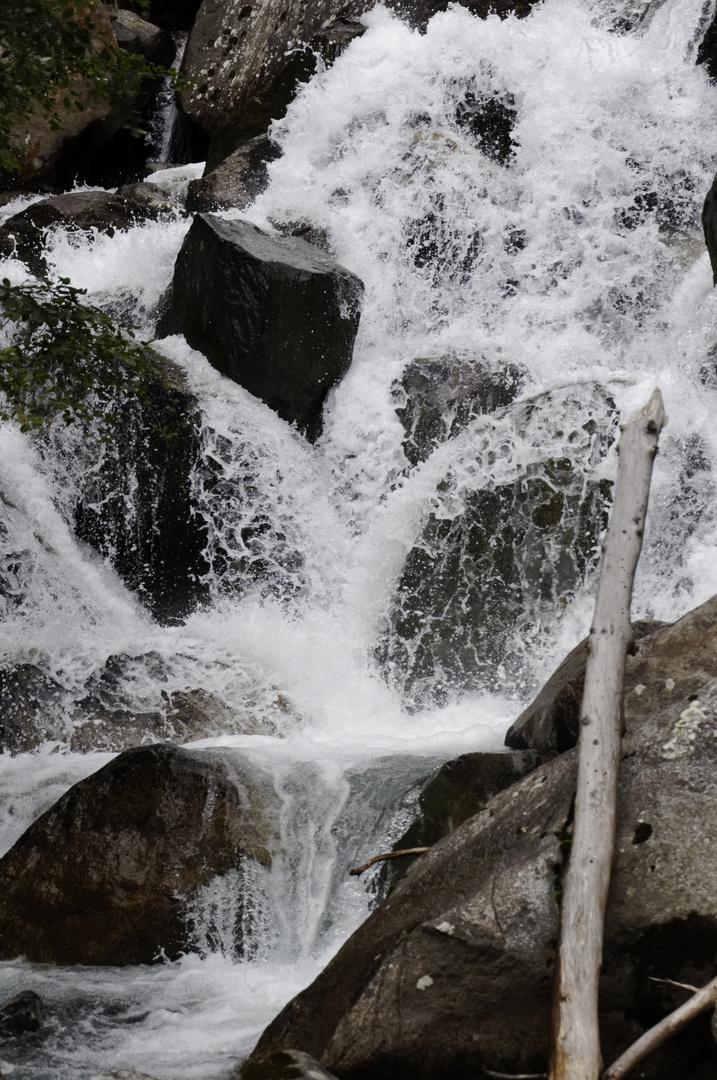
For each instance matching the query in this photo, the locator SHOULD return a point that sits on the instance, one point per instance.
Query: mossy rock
(460, 789)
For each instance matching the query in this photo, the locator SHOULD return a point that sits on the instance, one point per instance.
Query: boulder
(440, 396)
(106, 874)
(276, 315)
(136, 505)
(460, 789)
(237, 181)
(452, 973)
(550, 724)
(245, 60)
(500, 560)
(23, 234)
(670, 663)
(135, 35)
(22, 1013)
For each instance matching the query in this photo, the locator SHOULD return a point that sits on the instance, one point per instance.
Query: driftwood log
(575, 1043)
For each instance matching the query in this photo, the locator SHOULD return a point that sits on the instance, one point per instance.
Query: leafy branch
(66, 357)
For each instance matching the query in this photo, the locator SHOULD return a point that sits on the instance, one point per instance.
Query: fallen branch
(653, 1038)
(671, 982)
(389, 855)
(575, 1040)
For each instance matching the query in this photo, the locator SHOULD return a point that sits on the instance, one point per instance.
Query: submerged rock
(24, 234)
(442, 395)
(106, 874)
(31, 708)
(453, 971)
(491, 565)
(22, 1013)
(276, 315)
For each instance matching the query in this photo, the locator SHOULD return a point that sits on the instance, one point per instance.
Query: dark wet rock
(709, 226)
(31, 708)
(707, 51)
(485, 572)
(237, 181)
(460, 789)
(488, 119)
(441, 395)
(245, 60)
(135, 35)
(550, 724)
(136, 506)
(80, 211)
(453, 971)
(105, 875)
(276, 315)
(22, 1013)
(284, 1065)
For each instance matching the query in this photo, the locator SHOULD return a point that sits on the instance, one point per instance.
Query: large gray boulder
(274, 314)
(453, 971)
(237, 181)
(244, 60)
(106, 874)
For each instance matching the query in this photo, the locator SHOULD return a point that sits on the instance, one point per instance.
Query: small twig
(515, 1076)
(390, 855)
(653, 1038)
(671, 982)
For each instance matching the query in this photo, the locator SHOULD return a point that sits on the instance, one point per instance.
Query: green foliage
(49, 64)
(66, 357)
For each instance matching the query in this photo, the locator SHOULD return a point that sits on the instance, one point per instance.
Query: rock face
(276, 315)
(136, 35)
(453, 971)
(245, 59)
(103, 876)
(498, 560)
(136, 507)
(80, 211)
(287, 1065)
(21, 1013)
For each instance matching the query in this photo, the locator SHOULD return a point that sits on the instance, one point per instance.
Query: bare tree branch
(648, 1042)
(389, 855)
(575, 1042)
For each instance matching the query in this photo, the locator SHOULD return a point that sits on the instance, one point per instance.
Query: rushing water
(572, 250)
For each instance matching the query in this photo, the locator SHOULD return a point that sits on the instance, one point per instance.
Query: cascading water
(518, 196)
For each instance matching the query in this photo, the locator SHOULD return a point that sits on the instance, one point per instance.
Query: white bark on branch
(648, 1042)
(575, 1044)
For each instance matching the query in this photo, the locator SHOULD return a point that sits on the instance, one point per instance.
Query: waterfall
(521, 198)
